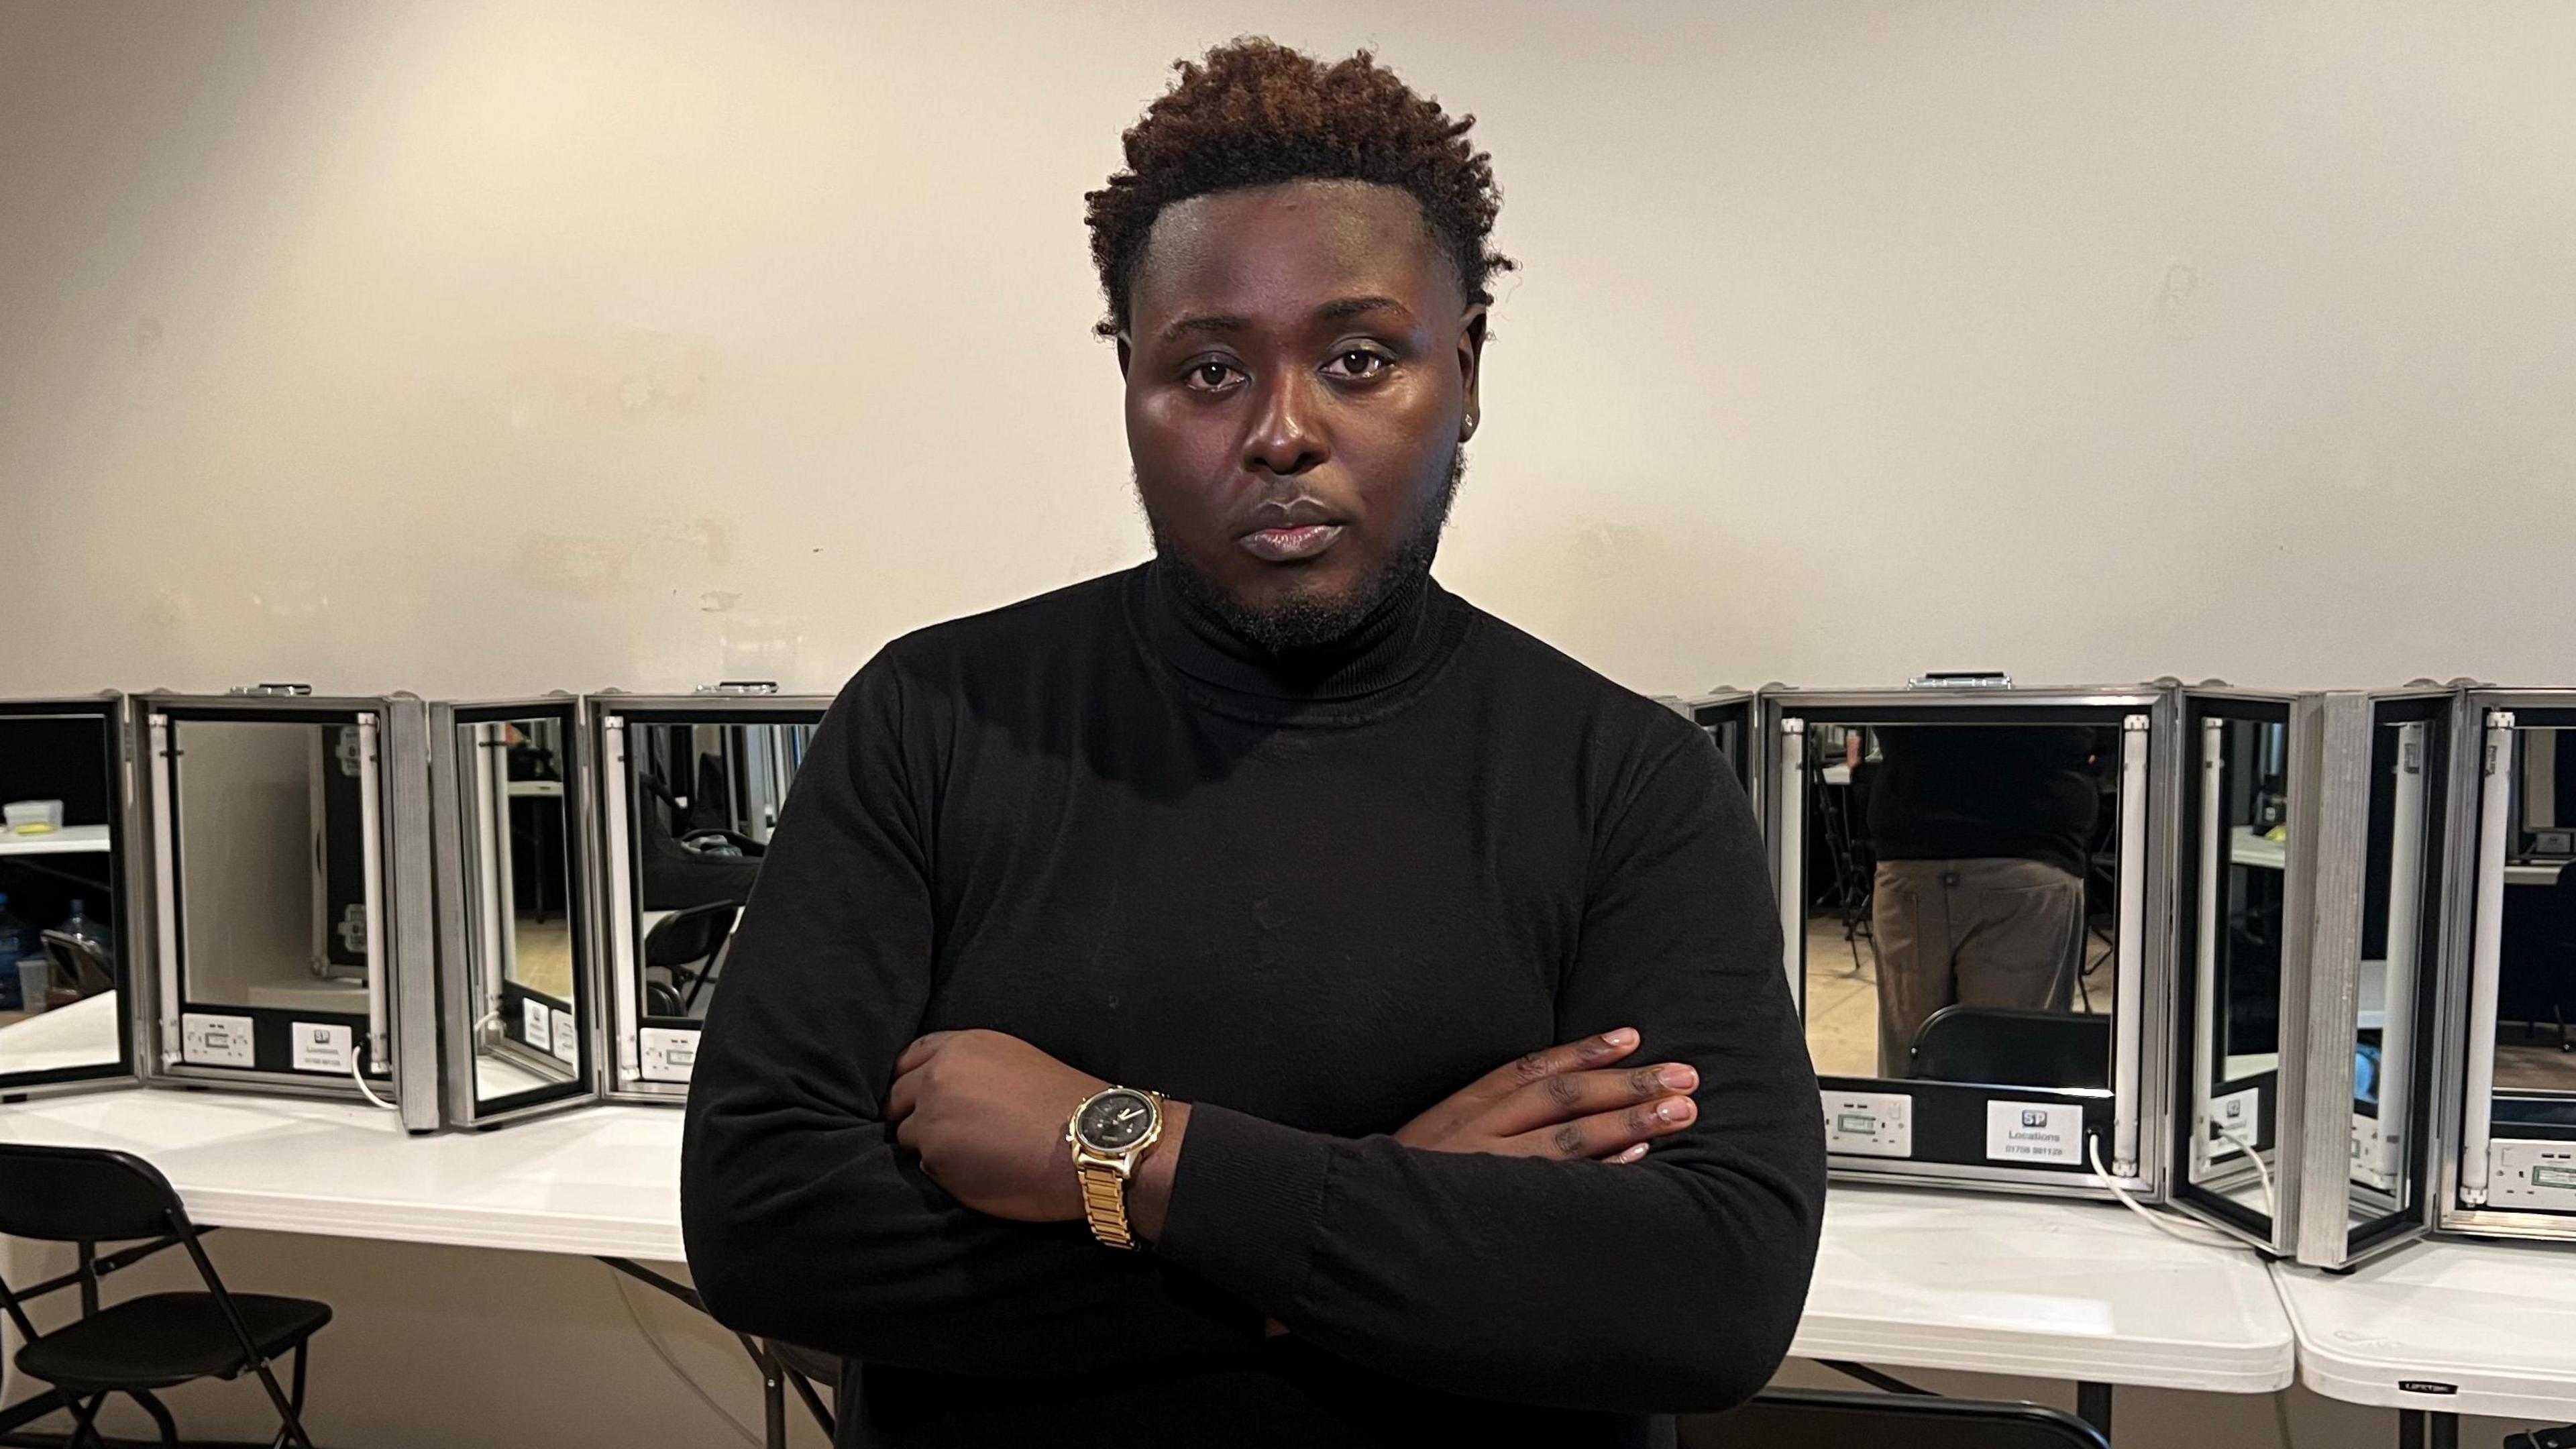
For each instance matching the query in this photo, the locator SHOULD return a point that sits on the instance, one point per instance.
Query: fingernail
(1678, 1077)
(1675, 1109)
(1632, 1154)
(1623, 1037)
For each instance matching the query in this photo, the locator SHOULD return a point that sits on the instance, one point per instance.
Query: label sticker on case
(2050, 1132)
(321, 1047)
(207, 1040)
(535, 1026)
(567, 1039)
(1869, 1124)
(669, 1053)
(2233, 1120)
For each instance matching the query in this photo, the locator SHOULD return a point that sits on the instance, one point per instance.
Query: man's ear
(1471, 369)
(1125, 350)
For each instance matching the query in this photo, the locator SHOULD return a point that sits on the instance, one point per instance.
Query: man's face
(1301, 369)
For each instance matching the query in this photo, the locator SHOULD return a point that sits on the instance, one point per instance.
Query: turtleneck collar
(1398, 645)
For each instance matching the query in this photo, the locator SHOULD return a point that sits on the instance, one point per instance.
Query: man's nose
(1286, 436)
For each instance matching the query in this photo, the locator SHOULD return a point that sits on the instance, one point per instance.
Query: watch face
(1116, 1121)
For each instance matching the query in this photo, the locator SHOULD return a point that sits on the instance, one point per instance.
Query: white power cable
(2213, 1239)
(360, 1078)
(653, 1341)
(2262, 1172)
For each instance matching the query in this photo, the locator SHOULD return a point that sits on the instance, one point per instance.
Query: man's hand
(986, 1112)
(1563, 1102)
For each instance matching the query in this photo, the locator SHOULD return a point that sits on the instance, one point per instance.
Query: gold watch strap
(1104, 1202)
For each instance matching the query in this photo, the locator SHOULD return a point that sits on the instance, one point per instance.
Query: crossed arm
(1510, 1242)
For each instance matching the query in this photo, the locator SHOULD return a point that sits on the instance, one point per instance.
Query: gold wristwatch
(1110, 1133)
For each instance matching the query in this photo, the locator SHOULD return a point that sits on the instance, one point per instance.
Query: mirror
(59, 965)
(2400, 922)
(532, 1017)
(277, 893)
(2528, 944)
(1962, 901)
(2233, 934)
(703, 800)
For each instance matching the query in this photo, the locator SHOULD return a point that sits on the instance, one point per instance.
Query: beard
(1302, 620)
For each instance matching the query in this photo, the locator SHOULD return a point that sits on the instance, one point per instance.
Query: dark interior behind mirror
(62, 969)
(695, 793)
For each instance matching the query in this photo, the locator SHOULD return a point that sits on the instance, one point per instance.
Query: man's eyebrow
(1219, 323)
(1338, 310)
(1342, 308)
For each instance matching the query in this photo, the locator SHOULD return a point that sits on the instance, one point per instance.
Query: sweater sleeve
(802, 1217)
(1672, 1284)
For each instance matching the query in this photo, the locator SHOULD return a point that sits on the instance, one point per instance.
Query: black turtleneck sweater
(1311, 896)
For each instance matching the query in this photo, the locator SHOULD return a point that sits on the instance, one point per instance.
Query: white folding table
(1905, 1279)
(2042, 1288)
(2441, 1329)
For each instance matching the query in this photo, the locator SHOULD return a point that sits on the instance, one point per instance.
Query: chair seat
(167, 1338)
(823, 1368)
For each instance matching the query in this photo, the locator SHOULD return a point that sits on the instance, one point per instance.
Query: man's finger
(1607, 1134)
(1570, 1095)
(1538, 1066)
(905, 1095)
(922, 1050)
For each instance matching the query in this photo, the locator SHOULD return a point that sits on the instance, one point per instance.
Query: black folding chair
(803, 1368)
(1840, 1419)
(2013, 1047)
(690, 946)
(79, 963)
(89, 1196)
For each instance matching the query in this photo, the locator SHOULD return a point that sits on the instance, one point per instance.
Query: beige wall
(481, 348)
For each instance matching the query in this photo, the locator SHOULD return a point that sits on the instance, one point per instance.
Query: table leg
(2427, 1429)
(773, 1383)
(2093, 1405)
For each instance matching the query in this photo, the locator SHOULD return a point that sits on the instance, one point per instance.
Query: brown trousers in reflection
(1972, 933)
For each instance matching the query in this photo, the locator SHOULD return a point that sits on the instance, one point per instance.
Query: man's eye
(1209, 376)
(1359, 362)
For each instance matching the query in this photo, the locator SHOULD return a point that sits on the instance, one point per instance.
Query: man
(1483, 1115)
(1983, 835)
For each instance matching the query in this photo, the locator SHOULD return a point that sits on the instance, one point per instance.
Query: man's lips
(1290, 543)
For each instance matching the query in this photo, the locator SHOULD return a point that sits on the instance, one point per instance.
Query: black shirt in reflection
(1975, 792)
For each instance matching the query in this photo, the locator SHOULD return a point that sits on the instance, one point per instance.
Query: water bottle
(81, 928)
(13, 944)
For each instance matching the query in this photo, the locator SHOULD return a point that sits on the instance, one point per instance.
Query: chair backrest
(84, 1195)
(1832, 1419)
(2009, 1046)
(84, 966)
(685, 937)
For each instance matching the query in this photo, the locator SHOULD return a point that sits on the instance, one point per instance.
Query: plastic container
(35, 974)
(23, 813)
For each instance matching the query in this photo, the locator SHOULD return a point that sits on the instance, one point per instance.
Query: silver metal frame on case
(2464, 1138)
(461, 965)
(2131, 1117)
(2333, 804)
(615, 873)
(395, 853)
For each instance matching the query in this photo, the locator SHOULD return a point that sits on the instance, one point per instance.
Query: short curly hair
(1253, 112)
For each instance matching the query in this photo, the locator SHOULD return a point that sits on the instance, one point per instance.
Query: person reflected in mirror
(1257, 997)
(1983, 835)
